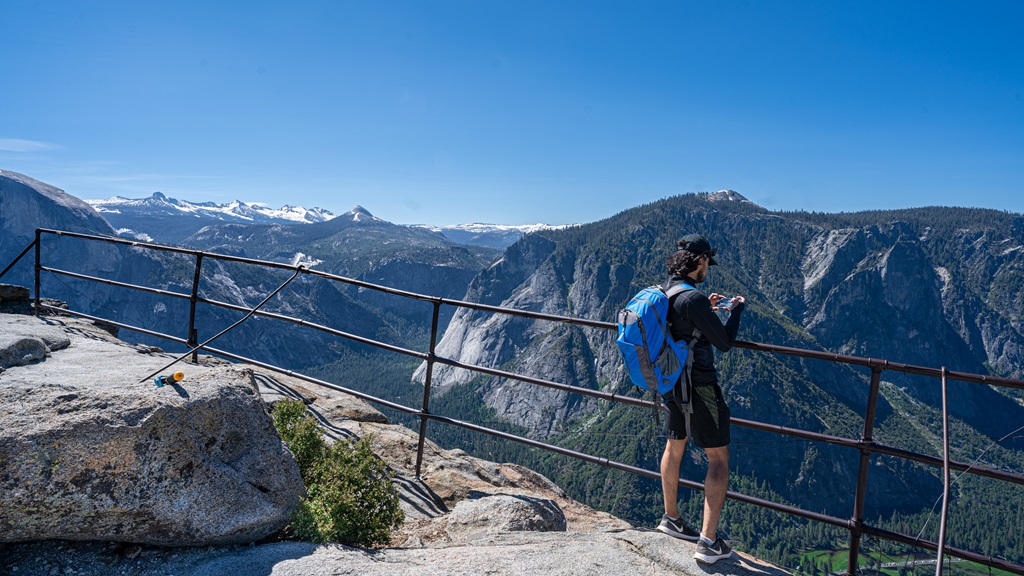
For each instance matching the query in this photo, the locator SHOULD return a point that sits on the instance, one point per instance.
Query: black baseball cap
(698, 245)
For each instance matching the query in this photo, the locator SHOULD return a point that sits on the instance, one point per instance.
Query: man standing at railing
(692, 315)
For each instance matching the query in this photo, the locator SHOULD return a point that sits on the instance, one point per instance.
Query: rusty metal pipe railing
(427, 380)
(39, 256)
(115, 283)
(945, 477)
(953, 464)
(794, 432)
(860, 495)
(883, 364)
(193, 333)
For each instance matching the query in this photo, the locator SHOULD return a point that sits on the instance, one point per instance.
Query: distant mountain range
(163, 219)
(171, 220)
(489, 235)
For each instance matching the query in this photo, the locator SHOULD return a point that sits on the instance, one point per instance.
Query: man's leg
(716, 484)
(670, 463)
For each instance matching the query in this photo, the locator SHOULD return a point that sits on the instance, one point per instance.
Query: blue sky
(521, 111)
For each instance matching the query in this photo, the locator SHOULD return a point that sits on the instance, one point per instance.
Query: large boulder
(507, 513)
(87, 452)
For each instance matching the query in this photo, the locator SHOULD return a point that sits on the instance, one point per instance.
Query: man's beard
(701, 275)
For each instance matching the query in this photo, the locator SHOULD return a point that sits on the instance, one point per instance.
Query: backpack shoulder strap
(677, 289)
(672, 293)
(685, 405)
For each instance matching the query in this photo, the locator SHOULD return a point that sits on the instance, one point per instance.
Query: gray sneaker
(712, 553)
(678, 528)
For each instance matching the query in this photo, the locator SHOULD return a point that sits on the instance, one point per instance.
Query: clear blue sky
(518, 111)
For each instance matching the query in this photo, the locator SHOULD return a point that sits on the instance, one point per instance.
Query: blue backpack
(653, 359)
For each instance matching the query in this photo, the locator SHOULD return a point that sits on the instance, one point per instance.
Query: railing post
(39, 265)
(193, 335)
(945, 478)
(426, 389)
(862, 473)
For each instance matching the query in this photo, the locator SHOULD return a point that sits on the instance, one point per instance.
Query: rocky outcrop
(505, 513)
(87, 452)
(24, 340)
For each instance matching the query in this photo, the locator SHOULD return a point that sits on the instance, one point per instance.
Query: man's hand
(730, 303)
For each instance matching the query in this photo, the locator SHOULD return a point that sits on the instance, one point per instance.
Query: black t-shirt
(692, 309)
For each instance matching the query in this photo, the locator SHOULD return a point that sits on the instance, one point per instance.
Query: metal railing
(865, 445)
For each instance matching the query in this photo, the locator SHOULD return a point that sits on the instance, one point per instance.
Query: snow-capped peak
(237, 211)
(360, 214)
(728, 196)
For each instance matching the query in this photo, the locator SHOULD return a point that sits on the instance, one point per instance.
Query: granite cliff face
(27, 204)
(528, 277)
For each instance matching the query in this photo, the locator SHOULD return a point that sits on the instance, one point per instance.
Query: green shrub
(300, 433)
(350, 497)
